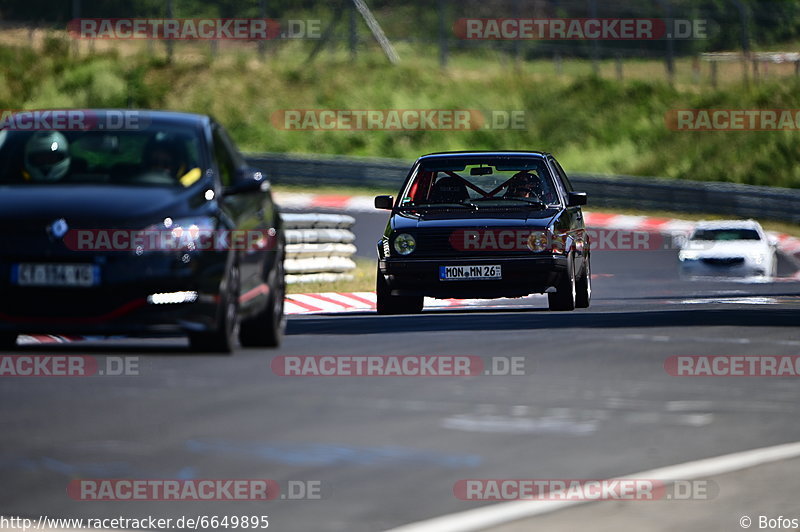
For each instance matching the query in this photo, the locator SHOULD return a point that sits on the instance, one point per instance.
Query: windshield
(160, 155)
(719, 235)
(507, 182)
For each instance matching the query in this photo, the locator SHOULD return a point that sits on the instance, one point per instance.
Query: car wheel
(223, 339)
(584, 287)
(266, 328)
(388, 304)
(564, 298)
(8, 341)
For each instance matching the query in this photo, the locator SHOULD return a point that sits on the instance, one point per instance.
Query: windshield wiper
(434, 206)
(529, 201)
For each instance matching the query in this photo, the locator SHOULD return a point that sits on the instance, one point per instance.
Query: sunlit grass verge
(592, 124)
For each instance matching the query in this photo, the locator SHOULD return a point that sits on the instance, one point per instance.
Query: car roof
(728, 224)
(484, 153)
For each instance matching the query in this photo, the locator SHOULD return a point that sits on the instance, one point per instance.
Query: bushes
(593, 125)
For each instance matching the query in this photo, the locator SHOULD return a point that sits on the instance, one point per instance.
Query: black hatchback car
(139, 223)
(484, 225)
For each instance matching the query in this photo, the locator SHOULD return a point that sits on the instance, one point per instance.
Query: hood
(526, 218)
(95, 206)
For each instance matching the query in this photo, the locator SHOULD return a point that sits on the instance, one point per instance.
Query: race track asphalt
(595, 402)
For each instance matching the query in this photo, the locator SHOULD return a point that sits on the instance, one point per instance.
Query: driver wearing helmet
(524, 185)
(46, 156)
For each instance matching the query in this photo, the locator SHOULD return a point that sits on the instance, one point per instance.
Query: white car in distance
(729, 248)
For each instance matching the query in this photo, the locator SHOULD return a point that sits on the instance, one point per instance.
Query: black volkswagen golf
(484, 225)
(140, 223)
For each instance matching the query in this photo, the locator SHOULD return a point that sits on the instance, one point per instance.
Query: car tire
(566, 291)
(223, 338)
(266, 328)
(387, 304)
(584, 287)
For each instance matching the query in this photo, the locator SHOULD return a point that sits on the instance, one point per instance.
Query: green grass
(595, 125)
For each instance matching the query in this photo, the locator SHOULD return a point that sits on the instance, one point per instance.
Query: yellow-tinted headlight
(538, 241)
(405, 244)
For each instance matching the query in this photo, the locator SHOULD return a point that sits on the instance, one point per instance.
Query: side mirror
(246, 180)
(576, 199)
(384, 202)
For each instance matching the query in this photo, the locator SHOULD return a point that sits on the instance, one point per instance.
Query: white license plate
(470, 273)
(55, 274)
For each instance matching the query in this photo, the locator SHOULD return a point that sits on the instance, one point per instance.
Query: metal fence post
(714, 78)
(442, 5)
(595, 42)
(353, 37)
(76, 14)
(169, 44)
(744, 18)
(262, 44)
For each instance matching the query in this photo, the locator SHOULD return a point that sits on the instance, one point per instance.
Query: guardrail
(319, 247)
(645, 193)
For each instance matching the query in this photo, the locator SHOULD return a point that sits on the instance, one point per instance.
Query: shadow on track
(504, 320)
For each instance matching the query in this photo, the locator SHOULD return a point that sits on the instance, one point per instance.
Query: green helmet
(47, 156)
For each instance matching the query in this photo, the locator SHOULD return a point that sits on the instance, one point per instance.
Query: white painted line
(498, 514)
(290, 308)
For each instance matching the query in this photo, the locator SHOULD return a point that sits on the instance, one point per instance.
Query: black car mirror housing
(384, 202)
(576, 199)
(247, 180)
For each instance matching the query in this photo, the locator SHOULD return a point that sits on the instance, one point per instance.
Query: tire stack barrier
(319, 247)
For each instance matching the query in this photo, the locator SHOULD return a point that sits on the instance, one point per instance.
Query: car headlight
(538, 241)
(180, 234)
(405, 244)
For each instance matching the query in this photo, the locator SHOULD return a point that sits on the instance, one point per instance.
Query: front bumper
(119, 304)
(698, 268)
(134, 315)
(521, 276)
